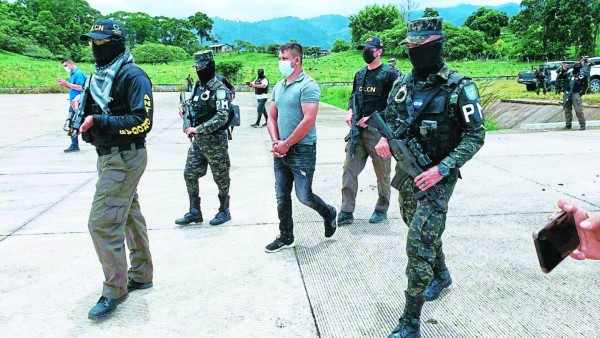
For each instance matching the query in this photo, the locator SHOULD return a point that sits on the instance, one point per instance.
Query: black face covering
(261, 74)
(368, 55)
(427, 59)
(207, 72)
(106, 53)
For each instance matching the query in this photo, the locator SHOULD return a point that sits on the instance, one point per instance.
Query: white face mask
(285, 67)
(67, 69)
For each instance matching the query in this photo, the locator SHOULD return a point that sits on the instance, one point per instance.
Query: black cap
(104, 29)
(371, 42)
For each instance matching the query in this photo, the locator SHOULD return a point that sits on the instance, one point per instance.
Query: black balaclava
(207, 72)
(368, 56)
(576, 68)
(261, 73)
(427, 59)
(106, 53)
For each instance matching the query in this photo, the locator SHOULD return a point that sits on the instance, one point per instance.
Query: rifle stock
(76, 119)
(412, 164)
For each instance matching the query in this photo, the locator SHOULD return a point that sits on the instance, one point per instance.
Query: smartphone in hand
(248, 83)
(556, 240)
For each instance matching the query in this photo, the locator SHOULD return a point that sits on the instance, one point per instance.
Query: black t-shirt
(372, 89)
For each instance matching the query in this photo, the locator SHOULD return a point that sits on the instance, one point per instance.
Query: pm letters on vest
(469, 109)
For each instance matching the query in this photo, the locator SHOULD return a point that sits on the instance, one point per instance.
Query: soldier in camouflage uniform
(441, 109)
(210, 104)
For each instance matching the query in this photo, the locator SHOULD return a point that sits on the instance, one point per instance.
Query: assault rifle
(187, 115)
(352, 137)
(412, 159)
(75, 120)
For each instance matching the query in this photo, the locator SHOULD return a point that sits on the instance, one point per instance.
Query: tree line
(543, 29)
(50, 29)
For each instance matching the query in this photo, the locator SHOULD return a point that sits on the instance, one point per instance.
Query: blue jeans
(296, 168)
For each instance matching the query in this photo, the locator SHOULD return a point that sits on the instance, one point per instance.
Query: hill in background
(322, 30)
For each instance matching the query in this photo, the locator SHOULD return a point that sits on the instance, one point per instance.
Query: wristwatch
(443, 169)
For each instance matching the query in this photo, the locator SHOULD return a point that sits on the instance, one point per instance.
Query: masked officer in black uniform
(575, 87)
(370, 90)
(439, 109)
(540, 77)
(119, 110)
(210, 102)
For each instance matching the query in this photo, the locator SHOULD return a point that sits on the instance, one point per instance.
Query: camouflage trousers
(116, 217)
(353, 166)
(426, 225)
(208, 150)
(573, 101)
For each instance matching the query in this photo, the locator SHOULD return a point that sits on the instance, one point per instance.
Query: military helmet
(421, 29)
(202, 58)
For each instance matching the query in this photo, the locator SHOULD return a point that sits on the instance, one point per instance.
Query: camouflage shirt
(220, 94)
(465, 111)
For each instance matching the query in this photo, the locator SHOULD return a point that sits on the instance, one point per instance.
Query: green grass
(24, 72)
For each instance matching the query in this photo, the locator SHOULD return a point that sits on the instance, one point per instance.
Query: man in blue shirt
(75, 85)
(291, 125)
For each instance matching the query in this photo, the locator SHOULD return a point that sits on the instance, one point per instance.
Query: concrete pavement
(219, 282)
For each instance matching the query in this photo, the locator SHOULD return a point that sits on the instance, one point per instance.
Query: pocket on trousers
(115, 211)
(114, 182)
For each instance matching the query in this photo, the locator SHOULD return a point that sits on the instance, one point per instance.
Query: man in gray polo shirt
(291, 125)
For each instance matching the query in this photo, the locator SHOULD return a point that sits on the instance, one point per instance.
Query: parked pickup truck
(594, 85)
(527, 78)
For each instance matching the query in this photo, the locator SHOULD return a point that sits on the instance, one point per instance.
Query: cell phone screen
(555, 241)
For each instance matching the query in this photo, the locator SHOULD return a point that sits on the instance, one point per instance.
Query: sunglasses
(98, 42)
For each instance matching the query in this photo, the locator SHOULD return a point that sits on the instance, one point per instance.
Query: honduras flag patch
(417, 104)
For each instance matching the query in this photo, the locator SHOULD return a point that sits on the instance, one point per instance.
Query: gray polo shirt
(288, 99)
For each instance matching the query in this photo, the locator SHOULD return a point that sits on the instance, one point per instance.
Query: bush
(35, 51)
(230, 70)
(155, 53)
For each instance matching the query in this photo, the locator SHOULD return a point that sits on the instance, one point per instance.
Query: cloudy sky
(255, 10)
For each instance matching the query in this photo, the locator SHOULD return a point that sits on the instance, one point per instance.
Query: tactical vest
(371, 94)
(259, 91)
(437, 128)
(204, 103)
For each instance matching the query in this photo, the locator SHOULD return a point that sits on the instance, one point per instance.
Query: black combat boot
(582, 126)
(410, 323)
(194, 216)
(440, 281)
(223, 215)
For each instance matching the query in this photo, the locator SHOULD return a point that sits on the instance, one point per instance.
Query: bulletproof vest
(370, 95)
(204, 102)
(437, 128)
(576, 82)
(259, 91)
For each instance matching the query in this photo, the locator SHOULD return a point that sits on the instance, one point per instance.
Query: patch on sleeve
(221, 94)
(471, 92)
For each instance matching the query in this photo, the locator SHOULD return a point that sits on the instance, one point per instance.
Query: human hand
(363, 122)
(191, 130)
(88, 122)
(279, 148)
(383, 148)
(588, 229)
(181, 112)
(349, 119)
(428, 178)
(63, 83)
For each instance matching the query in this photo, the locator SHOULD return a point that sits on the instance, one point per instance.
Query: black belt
(138, 144)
